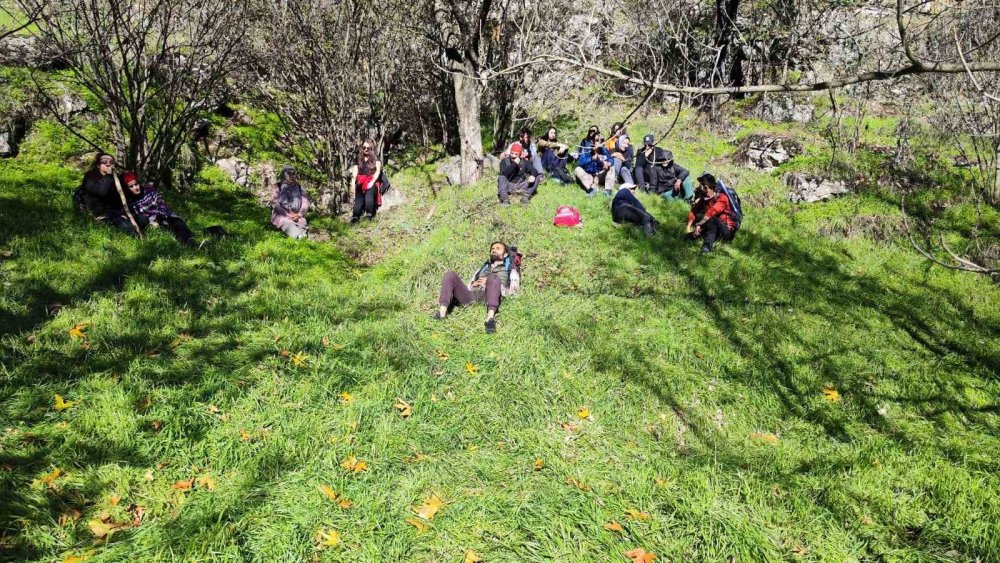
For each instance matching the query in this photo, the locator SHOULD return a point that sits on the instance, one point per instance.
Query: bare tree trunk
(994, 195)
(469, 104)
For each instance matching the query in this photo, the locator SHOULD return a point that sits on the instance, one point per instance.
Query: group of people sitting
(126, 203)
(601, 163)
(121, 200)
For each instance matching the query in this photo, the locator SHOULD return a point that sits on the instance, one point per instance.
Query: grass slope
(703, 378)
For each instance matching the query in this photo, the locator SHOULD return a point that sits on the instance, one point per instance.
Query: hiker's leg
(293, 230)
(586, 180)
(178, 228)
(492, 295)
(711, 232)
(631, 214)
(122, 223)
(626, 175)
(688, 187)
(609, 179)
(371, 201)
(561, 171)
(536, 163)
(642, 177)
(529, 189)
(453, 290)
(359, 204)
(503, 189)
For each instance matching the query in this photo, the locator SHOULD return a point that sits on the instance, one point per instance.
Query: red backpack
(567, 216)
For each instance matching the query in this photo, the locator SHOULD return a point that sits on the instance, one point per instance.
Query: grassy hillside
(806, 393)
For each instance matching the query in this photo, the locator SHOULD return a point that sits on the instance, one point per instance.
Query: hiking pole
(121, 194)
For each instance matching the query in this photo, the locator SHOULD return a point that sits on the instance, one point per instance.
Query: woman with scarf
(99, 195)
(368, 181)
(289, 204)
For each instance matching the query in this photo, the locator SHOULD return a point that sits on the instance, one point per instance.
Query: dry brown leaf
(284, 353)
(326, 341)
(344, 503)
(431, 506)
(113, 500)
(138, 513)
(156, 425)
(328, 493)
(69, 517)
(212, 409)
(639, 555)
(574, 482)
(405, 409)
(49, 479)
(614, 526)
(442, 356)
(354, 464)
(101, 529)
(183, 485)
(417, 457)
(181, 339)
(149, 476)
(143, 404)
(417, 523)
(245, 436)
(638, 515)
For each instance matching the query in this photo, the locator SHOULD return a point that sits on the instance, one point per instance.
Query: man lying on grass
(626, 208)
(499, 277)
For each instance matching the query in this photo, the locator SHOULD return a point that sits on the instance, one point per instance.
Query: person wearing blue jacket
(595, 166)
(626, 208)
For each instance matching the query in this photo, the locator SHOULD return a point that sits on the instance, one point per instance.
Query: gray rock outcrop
(810, 189)
(767, 152)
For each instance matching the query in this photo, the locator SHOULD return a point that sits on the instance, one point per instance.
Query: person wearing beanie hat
(644, 163)
(149, 209)
(670, 180)
(594, 166)
(626, 208)
(622, 155)
(516, 176)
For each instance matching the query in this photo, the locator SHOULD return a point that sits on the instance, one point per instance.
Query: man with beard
(499, 277)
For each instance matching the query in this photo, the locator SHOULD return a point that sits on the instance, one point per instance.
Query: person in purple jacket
(149, 208)
(289, 204)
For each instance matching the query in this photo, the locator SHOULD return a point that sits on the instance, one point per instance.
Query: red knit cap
(129, 177)
(515, 149)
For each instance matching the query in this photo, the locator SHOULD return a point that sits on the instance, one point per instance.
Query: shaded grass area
(703, 377)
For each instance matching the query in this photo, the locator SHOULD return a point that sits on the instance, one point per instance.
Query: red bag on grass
(567, 216)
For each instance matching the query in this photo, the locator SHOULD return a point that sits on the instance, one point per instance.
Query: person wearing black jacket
(668, 176)
(626, 208)
(516, 176)
(99, 196)
(644, 163)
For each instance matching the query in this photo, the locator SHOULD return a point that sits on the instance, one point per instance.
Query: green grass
(687, 364)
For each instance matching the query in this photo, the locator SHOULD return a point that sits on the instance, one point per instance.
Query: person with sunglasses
(98, 195)
(368, 180)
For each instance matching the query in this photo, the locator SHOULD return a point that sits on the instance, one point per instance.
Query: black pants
(644, 176)
(177, 227)
(631, 214)
(366, 202)
(715, 230)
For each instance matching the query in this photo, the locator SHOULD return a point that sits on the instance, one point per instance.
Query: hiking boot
(607, 192)
(628, 186)
(491, 326)
(369, 217)
(437, 316)
(650, 228)
(355, 219)
(705, 249)
(525, 200)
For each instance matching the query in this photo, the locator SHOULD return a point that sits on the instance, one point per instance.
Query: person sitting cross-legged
(149, 208)
(718, 222)
(289, 204)
(516, 176)
(670, 180)
(594, 168)
(626, 208)
(497, 278)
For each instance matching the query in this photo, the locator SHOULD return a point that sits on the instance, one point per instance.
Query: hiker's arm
(354, 175)
(375, 176)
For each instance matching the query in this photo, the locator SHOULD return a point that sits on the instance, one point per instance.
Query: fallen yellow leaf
(471, 368)
(181, 339)
(765, 437)
(75, 558)
(405, 409)
(183, 485)
(574, 482)
(662, 482)
(62, 404)
(539, 464)
(583, 413)
(328, 538)
(346, 398)
(113, 500)
(101, 529)
(207, 482)
(614, 526)
(326, 341)
(417, 523)
(639, 555)
(246, 436)
(638, 515)
(415, 458)
(442, 356)
(299, 359)
(328, 492)
(430, 507)
(354, 464)
(831, 394)
(79, 330)
(472, 557)
(344, 503)
(49, 478)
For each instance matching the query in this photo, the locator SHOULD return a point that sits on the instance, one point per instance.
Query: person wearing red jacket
(718, 222)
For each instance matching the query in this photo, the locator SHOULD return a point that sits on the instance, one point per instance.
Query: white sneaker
(627, 186)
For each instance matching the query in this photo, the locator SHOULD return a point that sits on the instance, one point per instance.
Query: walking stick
(121, 194)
